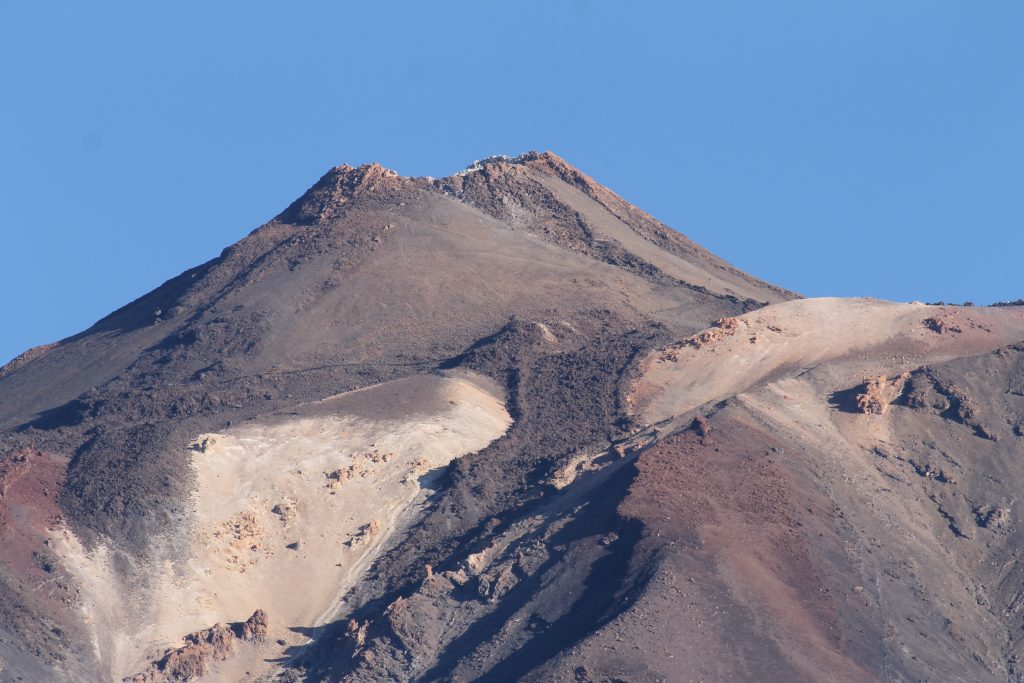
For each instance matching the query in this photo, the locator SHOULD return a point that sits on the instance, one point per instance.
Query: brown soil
(719, 500)
(315, 422)
(37, 593)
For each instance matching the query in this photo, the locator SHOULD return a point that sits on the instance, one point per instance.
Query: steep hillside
(505, 426)
(523, 270)
(820, 489)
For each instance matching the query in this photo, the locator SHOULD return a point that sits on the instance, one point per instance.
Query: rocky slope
(500, 426)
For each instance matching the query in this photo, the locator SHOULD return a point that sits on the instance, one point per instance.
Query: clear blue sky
(834, 147)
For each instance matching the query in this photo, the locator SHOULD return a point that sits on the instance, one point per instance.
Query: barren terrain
(505, 426)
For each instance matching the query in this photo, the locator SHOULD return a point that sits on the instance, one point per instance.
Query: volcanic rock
(520, 430)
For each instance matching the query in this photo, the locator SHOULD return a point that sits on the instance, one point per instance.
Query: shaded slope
(783, 536)
(368, 277)
(703, 479)
(793, 533)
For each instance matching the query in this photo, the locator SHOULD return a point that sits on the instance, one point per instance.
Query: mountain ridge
(257, 329)
(498, 424)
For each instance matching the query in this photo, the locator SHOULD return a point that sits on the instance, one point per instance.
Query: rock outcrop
(193, 660)
(878, 393)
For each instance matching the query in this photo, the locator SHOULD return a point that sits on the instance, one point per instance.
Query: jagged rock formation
(878, 393)
(202, 649)
(503, 425)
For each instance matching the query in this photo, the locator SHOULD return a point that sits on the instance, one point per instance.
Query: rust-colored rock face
(38, 595)
(328, 198)
(726, 516)
(505, 426)
(30, 481)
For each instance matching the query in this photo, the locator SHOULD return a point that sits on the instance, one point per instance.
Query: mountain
(504, 425)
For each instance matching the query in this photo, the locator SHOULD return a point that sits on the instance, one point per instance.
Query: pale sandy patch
(788, 338)
(263, 486)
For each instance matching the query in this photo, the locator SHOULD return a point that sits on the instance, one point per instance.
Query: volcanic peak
(340, 185)
(326, 199)
(522, 159)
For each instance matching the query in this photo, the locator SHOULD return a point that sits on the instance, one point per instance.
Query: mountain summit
(504, 425)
